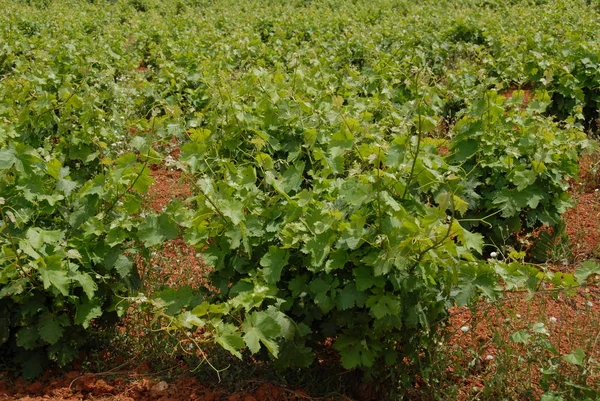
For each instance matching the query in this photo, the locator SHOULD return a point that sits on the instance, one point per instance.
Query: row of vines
(354, 164)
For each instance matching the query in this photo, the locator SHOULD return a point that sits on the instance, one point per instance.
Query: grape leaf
(88, 310)
(143, 181)
(349, 297)
(32, 367)
(261, 328)
(228, 337)
(49, 328)
(27, 337)
(233, 209)
(53, 274)
(123, 266)
(382, 305)
(273, 262)
(87, 283)
(7, 159)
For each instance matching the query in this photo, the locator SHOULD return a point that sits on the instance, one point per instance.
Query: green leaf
(233, 209)
(382, 305)
(425, 123)
(231, 342)
(7, 159)
(228, 337)
(551, 396)
(88, 310)
(53, 274)
(319, 247)
(261, 328)
(349, 297)
(174, 300)
(87, 283)
(32, 367)
(123, 266)
(523, 179)
(53, 167)
(66, 186)
(143, 182)
(273, 262)
(351, 357)
(298, 285)
(465, 149)
(62, 353)
(473, 241)
(354, 352)
(49, 328)
(364, 278)
(587, 268)
(576, 357)
(27, 337)
(189, 320)
(295, 354)
(157, 229)
(521, 337)
(167, 227)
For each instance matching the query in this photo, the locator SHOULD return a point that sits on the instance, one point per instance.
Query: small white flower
(494, 254)
(596, 190)
(198, 255)
(518, 315)
(154, 254)
(589, 303)
(489, 357)
(553, 319)
(464, 329)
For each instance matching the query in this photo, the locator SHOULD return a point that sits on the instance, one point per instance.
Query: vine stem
(209, 200)
(112, 205)
(13, 245)
(441, 240)
(173, 322)
(419, 138)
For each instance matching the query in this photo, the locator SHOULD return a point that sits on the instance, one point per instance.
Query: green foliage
(67, 243)
(516, 162)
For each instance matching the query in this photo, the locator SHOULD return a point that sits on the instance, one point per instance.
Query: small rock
(159, 387)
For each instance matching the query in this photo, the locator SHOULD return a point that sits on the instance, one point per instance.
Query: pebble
(159, 387)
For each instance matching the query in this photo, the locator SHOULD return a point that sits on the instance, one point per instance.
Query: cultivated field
(297, 200)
